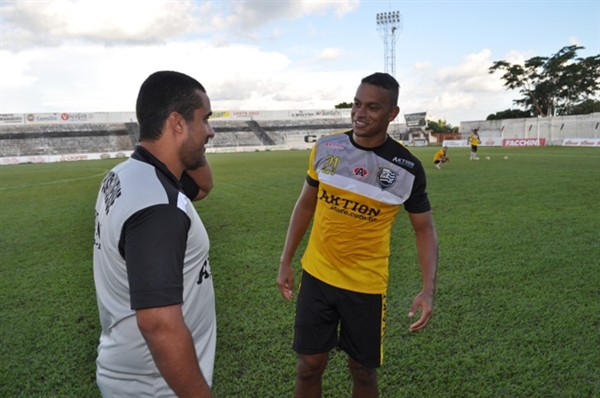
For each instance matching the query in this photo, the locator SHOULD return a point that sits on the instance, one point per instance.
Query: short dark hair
(386, 81)
(164, 92)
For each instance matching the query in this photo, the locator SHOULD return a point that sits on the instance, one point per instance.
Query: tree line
(559, 85)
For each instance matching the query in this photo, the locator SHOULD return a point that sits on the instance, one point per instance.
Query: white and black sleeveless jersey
(151, 250)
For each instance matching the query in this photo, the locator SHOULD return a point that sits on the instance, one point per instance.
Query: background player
(474, 141)
(440, 157)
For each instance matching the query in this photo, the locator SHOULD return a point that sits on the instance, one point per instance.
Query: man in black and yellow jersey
(474, 141)
(440, 157)
(356, 183)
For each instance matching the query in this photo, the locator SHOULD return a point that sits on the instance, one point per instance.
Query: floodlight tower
(389, 26)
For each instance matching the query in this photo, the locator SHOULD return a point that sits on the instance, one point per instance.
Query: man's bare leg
(365, 380)
(308, 376)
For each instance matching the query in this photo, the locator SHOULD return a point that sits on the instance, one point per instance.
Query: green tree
(587, 106)
(509, 114)
(343, 105)
(440, 126)
(555, 85)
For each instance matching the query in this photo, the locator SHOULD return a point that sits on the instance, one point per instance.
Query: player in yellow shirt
(440, 157)
(474, 141)
(356, 184)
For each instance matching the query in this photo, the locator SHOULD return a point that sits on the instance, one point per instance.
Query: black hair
(161, 94)
(385, 81)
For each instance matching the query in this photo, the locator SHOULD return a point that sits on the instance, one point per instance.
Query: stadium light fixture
(389, 26)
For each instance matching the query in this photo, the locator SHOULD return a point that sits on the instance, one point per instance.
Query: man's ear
(393, 113)
(176, 123)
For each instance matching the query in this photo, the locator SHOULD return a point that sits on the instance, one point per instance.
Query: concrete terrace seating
(233, 133)
(293, 132)
(59, 139)
(62, 139)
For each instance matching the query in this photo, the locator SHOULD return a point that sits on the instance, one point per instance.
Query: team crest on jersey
(360, 171)
(111, 188)
(386, 178)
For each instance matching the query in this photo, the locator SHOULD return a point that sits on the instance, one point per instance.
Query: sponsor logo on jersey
(403, 162)
(386, 177)
(349, 207)
(333, 146)
(360, 171)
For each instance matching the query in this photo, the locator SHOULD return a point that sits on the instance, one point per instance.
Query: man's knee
(312, 365)
(362, 373)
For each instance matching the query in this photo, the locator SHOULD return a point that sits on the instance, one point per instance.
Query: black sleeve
(311, 182)
(153, 243)
(189, 186)
(418, 202)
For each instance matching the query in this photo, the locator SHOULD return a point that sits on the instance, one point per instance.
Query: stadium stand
(61, 139)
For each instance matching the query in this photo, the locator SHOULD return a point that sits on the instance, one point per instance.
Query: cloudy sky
(92, 55)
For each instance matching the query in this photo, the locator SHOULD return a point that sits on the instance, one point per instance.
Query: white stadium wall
(578, 130)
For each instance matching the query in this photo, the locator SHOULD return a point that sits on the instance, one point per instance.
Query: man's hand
(172, 349)
(427, 249)
(423, 302)
(285, 281)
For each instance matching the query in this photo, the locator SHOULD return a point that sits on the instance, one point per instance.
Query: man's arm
(203, 177)
(172, 349)
(299, 221)
(427, 250)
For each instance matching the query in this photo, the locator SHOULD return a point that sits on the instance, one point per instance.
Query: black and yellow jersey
(360, 191)
(474, 140)
(439, 155)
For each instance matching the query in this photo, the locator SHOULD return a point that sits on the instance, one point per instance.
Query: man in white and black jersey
(356, 183)
(151, 271)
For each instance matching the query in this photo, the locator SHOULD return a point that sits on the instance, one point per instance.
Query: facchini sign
(523, 142)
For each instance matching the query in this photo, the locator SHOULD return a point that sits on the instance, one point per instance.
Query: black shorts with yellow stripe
(327, 316)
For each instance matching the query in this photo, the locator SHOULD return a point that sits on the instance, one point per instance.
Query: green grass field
(518, 302)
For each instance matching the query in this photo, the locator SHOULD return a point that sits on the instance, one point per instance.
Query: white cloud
(455, 92)
(16, 66)
(328, 54)
(54, 22)
(574, 41)
(95, 78)
(245, 18)
(517, 57)
(447, 101)
(471, 75)
(422, 65)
